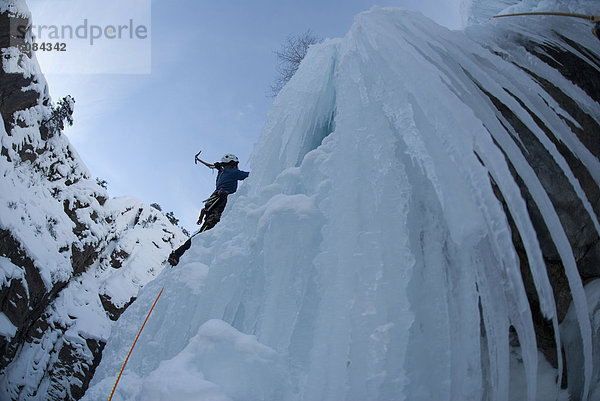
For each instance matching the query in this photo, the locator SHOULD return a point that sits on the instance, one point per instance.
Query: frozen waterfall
(370, 254)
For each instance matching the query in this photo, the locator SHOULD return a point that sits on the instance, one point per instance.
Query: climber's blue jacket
(227, 179)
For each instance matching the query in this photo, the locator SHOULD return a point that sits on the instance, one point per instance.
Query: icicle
(560, 240)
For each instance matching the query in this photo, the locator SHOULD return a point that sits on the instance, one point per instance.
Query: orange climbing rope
(135, 341)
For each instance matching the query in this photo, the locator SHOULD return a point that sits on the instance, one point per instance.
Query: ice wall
(369, 255)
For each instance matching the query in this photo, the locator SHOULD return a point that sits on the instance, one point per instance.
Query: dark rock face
(23, 301)
(113, 311)
(12, 97)
(580, 66)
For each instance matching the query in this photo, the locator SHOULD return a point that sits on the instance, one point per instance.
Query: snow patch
(7, 329)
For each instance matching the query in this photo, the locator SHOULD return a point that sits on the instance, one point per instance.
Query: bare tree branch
(289, 57)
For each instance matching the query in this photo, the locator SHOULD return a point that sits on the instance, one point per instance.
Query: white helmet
(228, 158)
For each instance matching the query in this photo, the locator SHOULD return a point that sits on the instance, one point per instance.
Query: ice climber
(227, 183)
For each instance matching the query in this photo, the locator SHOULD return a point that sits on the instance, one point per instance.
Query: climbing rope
(595, 19)
(131, 349)
(592, 18)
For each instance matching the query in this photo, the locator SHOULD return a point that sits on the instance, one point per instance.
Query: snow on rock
(16, 7)
(71, 259)
(75, 325)
(7, 329)
(422, 208)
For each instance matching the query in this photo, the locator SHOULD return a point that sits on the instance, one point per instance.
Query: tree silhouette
(289, 57)
(63, 112)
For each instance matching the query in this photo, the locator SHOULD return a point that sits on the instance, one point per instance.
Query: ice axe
(197, 159)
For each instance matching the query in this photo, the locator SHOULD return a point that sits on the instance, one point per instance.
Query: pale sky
(212, 64)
